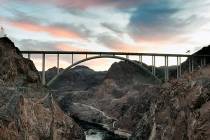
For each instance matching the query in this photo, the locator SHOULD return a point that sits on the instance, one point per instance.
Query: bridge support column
(43, 69)
(72, 58)
(140, 59)
(127, 56)
(177, 67)
(29, 56)
(201, 61)
(192, 64)
(180, 66)
(204, 61)
(86, 56)
(166, 69)
(58, 63)
(189, 64)
(153, 65)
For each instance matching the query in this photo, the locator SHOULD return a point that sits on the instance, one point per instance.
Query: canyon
(122, 101)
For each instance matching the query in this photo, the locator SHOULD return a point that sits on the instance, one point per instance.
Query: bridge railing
(192, 61)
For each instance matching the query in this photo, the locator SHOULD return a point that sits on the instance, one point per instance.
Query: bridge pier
(72, 58)
(140, 59)
(201, 62)
(166, 69)
(189, 64)
(153, 65)
(29, 56)
(192, 64)
(204, 60)
(58, 63)
(179, 67)
(43, 69)
(127, 56)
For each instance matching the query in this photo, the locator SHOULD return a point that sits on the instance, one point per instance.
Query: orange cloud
(125, 47)
(53, 31)
(160, 39)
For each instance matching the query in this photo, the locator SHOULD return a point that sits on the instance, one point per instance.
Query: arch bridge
(125, 56)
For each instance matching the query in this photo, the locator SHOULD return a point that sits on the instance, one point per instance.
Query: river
(96, 132)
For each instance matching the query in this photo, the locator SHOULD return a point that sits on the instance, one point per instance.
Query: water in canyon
(96, 132)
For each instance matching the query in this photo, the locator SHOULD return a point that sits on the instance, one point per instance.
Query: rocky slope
(27, 110)
(117, 103)
(181, 111)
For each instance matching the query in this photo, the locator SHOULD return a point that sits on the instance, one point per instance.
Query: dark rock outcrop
(78, 78)
(14, 69)
(181, 110)
(27, 110)
(38, 118)
(125, 73)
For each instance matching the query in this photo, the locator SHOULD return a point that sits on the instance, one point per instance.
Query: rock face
(181, 111)
(27, 110)
(39, 118)
(78, 78)
(125, 73)
(118, 102)
(14, 69)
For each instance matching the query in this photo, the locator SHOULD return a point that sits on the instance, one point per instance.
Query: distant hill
(77, 78)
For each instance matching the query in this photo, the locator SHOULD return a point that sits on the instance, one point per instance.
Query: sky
(147, 26)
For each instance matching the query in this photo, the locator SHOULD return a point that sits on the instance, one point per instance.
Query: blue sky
(160, 26)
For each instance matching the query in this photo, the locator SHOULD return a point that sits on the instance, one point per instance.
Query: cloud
(29, 44)
(115, 44)
(112, 27)
(59, 32)
(20, 16)
(162, 20)
(80, 29)
(83, 4)
(67, 47)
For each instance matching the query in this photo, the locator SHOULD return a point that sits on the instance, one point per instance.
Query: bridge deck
(107, 53)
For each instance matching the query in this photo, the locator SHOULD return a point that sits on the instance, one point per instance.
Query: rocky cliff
(14, 69)
(181, 110)
(117, 102)
(27, 110)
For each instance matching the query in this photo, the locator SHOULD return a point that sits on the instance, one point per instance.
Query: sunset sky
(153, 26)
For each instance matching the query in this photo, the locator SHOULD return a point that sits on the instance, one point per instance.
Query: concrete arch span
(104, 56)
